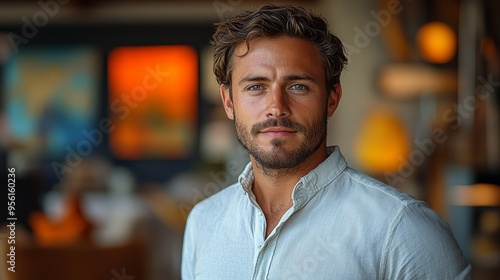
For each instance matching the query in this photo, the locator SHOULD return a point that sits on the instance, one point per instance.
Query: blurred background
(112, 127)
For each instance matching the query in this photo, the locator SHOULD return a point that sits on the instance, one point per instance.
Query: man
(297, 210)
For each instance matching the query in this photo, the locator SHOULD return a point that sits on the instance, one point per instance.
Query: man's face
(279, 101)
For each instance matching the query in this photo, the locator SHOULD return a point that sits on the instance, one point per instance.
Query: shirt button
(259, 213)
(259, 247)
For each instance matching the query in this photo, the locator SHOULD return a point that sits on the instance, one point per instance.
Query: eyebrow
(253, 79)
(293, 77)
(300, 77)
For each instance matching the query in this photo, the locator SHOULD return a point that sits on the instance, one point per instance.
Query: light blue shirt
(342, 225)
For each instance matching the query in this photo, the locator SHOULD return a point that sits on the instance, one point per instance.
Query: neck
(274, 187)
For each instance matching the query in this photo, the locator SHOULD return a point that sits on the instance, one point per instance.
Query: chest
(299, 249)
(272, 220)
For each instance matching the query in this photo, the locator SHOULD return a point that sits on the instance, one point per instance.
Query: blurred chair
(485, 244)
(80, 262)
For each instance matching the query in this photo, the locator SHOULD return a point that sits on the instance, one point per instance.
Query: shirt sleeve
(188, 250)
(421, 246)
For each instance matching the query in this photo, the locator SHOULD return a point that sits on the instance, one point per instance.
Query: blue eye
(255, 88)
(298, 87)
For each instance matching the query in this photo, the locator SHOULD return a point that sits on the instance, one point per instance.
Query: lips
(277, 129)
(277, 132)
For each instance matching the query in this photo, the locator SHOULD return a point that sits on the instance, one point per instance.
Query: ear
(227, 102)
(334, 99)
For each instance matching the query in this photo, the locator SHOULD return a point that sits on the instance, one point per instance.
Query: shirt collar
(315, 180)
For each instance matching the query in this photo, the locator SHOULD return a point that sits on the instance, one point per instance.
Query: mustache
(272, 122)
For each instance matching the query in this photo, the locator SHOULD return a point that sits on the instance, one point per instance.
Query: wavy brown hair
(273, 21)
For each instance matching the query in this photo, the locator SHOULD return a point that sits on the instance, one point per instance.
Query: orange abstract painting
(153, 101)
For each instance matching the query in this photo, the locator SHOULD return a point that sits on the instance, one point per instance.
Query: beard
(279, 157)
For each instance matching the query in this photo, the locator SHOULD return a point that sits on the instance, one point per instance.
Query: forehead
(280, 55)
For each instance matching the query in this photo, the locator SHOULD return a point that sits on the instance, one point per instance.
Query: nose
(278, 106)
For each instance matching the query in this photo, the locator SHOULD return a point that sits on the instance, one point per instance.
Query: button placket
(260, 226)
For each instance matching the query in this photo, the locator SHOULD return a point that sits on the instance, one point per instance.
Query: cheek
(246, 109)
(315, 119)
(242, 115)
(313, 108)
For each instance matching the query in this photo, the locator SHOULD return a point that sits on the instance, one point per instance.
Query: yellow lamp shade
(382, 143)
(437, 42)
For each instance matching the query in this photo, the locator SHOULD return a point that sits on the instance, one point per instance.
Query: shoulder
(400, 213)
(375, 193)
(404, 210)
(417, 240)
(216, 204)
